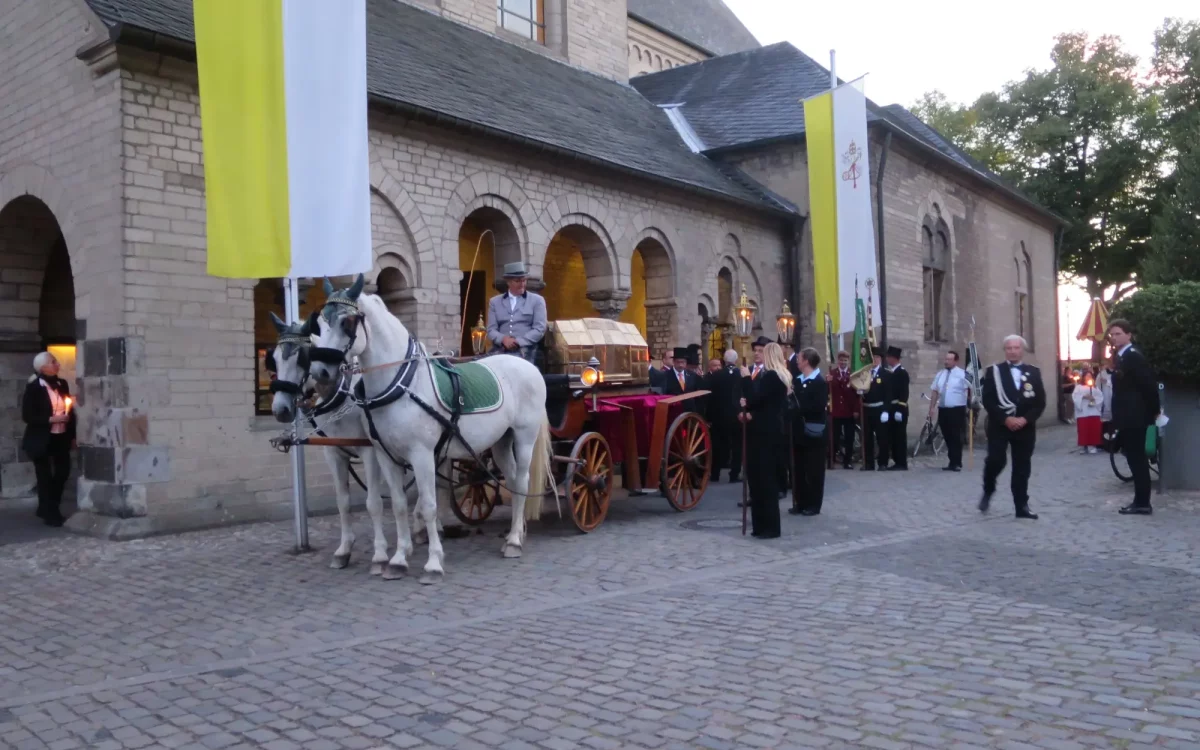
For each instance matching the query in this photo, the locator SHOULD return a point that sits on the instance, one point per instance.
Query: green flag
(862, 344)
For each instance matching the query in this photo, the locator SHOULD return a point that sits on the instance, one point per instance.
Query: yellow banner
(822, 201)
(239, 58)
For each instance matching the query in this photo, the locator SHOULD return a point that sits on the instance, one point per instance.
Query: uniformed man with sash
(875, 403)
(898, 410)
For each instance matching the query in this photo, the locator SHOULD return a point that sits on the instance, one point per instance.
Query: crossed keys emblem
(851, 158)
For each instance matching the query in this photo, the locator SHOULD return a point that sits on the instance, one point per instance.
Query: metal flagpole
(833, 69)
(291, 310)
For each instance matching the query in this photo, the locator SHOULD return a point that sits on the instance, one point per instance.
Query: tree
(960, 125)
(1175, 245)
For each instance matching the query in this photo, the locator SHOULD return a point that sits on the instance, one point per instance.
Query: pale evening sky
(963, 49)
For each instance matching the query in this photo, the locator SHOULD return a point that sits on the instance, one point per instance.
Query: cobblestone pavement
(898, 618)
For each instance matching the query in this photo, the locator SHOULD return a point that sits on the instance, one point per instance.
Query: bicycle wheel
(938, 443)
(1120, 465)
(922, 439)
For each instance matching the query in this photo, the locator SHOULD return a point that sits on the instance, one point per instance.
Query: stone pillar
(115, 400)
(610, 303)
(660, 325)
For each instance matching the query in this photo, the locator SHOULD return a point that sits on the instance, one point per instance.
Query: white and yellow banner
(839, 181)
(283, 101)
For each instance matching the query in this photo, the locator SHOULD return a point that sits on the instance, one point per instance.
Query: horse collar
(339, 397)
(399, 385)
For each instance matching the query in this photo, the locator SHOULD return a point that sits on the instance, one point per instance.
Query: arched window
(935, 264)
(1023, 303)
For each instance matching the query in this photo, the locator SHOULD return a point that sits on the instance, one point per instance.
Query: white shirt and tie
(951, 386)
(1015, 369)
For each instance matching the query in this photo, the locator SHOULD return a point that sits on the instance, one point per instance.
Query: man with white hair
(725, 384)
(1014, 397)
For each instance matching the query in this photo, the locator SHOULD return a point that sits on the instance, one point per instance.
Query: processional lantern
(744, 314)
(478, 336)
(785, 323)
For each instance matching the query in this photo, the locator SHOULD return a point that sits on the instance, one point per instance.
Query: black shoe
(884, 468)
(984, 502)
(847, 467)
(714, 478)
(951, 468)
(1025, 512)
(55, 521)
(794, 511)
(734, 479)
(898, 467)
(1136, 510)
(807, 512)
(867, 468)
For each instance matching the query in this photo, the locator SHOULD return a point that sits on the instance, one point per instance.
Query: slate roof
(708, 25)
(754, 97)
(437, 68)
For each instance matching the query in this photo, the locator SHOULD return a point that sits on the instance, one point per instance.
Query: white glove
(899, 416)
(883, 418)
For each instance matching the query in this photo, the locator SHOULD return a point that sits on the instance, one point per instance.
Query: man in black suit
(1014, 397)
(725, 382)
(1135, 407)
(681, 378)
(898, 411)
(875, 401)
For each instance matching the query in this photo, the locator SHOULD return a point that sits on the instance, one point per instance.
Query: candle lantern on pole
(478, 336)
(743, 318)
(785, 324)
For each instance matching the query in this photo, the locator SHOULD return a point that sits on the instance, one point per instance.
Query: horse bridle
(294, 390)
(329, 356)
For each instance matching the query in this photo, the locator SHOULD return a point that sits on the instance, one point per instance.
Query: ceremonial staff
(973, 363)
(830, 442)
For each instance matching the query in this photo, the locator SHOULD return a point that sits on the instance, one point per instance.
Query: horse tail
(539, 470)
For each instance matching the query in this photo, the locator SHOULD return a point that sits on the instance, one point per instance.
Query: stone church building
(645, 160)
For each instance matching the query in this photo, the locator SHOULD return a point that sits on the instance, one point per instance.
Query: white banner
(855, 223)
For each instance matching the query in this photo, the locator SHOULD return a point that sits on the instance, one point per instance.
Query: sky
(960, 48)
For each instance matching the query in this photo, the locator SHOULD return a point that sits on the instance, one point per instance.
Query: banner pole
(970, 437)
(291, 305)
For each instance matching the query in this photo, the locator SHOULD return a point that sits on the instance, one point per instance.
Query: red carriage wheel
(687, 462)
(589, 481)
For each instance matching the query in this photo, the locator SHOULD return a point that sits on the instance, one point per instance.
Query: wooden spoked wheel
(687, 462)
(474, 493)
(589, 481)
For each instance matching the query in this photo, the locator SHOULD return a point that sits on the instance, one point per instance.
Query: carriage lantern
(478, 336)
(744, 313)
(785, 323)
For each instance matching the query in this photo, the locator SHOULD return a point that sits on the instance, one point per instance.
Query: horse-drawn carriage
(602, 413)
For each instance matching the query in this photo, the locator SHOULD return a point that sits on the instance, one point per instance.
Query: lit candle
(68, 402)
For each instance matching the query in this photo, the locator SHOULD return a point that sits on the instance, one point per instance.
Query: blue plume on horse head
(328, 287)
(311, 325)
(355, 289)
(280, 326)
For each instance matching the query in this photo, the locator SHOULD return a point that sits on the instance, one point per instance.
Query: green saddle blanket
(480, 389)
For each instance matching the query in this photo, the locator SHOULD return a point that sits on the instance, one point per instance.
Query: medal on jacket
(1029, 390)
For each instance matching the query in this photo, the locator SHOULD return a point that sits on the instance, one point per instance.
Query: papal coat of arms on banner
(851, 158)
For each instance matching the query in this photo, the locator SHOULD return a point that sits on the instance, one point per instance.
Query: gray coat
(527, 324)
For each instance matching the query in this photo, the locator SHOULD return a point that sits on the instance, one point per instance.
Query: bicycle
(1120, 464)
(931, 435)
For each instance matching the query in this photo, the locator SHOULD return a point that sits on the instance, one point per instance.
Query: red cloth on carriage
(607, 420)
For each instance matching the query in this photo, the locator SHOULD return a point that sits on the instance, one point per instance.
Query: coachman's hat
(894, 351)
(514, 270)
(681, 352)
(877, 351)
(760, 341)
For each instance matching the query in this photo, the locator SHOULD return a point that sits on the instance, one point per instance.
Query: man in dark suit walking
(723, 407)
(1135, 407)
(898, 409)
(1014, 397)
(875, 401)
(681, 378)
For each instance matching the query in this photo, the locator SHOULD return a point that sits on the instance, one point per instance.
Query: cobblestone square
(899, 618)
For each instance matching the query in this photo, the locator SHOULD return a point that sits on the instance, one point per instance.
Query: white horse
(401, 402)
(290, 361)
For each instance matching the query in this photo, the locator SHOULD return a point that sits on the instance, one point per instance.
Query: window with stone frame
(1023, 295)
(526, 18)
(935, 265)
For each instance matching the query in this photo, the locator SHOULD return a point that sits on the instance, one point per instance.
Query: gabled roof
(707, 25)
(755, 97)
(460, 77)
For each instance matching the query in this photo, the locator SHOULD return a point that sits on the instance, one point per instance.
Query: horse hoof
(394, 571)
(340, 561)
(430, 577)
(377, 568)
(511, 551)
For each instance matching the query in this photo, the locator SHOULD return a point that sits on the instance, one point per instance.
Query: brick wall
(58, 143)
(199, 331)
(986, 229)
(650, 50)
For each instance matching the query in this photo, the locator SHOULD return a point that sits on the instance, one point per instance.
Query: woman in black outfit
(811, 393)
(49, 434)
(764, 407)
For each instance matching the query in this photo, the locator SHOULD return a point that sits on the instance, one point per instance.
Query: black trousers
(725, 434)
(898, 436)
(1133, 445)
(1000, 440)
(783, 463)
(53, 470)
(875, 438)
(952, 421)
(843, 435)
(762, 474)
(808, 472)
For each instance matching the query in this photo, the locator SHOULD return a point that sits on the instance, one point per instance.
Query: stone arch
(32, 180)
(487, 190)
(579, 263)
(37, 307)
(389, 189)
(573, 208)
(754, 291)
(652, 304)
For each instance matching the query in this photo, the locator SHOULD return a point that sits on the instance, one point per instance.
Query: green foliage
(1175, 246)
(1164, 319)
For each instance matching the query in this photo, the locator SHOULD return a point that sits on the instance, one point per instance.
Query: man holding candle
(49, 434)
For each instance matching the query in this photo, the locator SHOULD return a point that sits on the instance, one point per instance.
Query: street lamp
(785, 324)
(744, 314)
(478, 336)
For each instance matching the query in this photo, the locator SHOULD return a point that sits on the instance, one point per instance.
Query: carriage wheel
(589, 481)
(475, 494)
(688, 461)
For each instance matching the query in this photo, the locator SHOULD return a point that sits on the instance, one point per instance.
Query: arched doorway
(268, 298)
(487, 241)
(578, 276)
(651, 306)
(37, 312)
